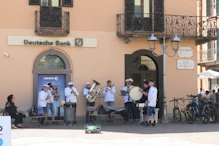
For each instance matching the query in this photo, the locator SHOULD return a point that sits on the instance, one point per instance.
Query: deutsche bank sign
(5, 131)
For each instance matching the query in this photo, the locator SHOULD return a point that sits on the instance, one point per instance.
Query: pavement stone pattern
(130, 134)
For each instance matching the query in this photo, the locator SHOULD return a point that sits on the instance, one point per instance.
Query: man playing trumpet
(109, 92)
(71, 93)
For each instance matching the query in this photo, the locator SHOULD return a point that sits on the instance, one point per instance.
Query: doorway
(52, 66)
(143, 65)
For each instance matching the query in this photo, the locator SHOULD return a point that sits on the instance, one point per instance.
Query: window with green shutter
(208, 5)
(217, 6)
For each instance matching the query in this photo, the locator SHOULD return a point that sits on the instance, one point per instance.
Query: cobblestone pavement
(119, 135)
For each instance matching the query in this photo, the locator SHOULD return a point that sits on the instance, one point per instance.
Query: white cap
(70, 83)
(129, 80)
(87, 83)
(46, 86)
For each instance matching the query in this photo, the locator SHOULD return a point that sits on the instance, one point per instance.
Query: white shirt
(109, 95)
(152, 96)
(42, 102)
(86, 91)
(51, 100)
(70, 97)
(126, 97)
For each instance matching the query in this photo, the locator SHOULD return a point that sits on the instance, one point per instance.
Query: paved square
(120, 135)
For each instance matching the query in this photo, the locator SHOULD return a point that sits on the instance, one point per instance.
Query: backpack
(33, 111)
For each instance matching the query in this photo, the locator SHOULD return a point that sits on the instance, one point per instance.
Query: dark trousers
(88, 117)
(130, 106)
(18, 118)
(75, 112)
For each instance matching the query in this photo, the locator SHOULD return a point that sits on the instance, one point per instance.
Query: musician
(43, 96)
(129, 103)
(152, 101)
(50, 102)
(109, 92)
(86, 92)
(144, 99)
(71, 93)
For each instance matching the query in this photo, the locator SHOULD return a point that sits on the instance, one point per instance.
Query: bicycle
(200, 111)
(180, 109)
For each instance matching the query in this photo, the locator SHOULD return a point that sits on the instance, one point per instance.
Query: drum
(135, 94)
(141, 104)
(122, 92)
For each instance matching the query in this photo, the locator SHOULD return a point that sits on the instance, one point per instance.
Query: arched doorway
(143, 65)
(51, 66)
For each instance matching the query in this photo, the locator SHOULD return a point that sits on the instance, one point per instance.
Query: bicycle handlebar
(176, 99)
(193, 96)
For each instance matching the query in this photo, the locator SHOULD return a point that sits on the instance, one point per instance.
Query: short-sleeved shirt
(144, 98)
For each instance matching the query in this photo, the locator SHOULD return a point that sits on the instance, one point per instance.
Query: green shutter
(208, 5)
(217, 48)
(217, 6)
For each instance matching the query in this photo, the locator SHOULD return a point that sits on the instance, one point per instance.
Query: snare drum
(141, 105)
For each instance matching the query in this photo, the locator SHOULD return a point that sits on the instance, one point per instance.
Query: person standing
(109, 92)
(43, 96)
(50, 102)
(144, 99)
(92, 104)
(129, 103)
(213, 97)
(152, 101)
(71, 93)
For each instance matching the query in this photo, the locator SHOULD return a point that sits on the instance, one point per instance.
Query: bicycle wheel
(213, 115)
(189, 116)
(205, 114)
(192, 111)
(176, 115)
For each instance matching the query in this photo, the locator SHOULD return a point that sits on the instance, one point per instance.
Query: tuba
(93, 92)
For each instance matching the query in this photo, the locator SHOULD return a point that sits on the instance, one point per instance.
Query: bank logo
(56, 78)
(1, 142)
(51, 78)
(78, 42)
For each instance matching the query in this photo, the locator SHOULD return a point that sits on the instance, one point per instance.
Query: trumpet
(110, 87)
(74, 93)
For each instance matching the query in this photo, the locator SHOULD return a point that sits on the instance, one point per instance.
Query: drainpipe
(200, 15)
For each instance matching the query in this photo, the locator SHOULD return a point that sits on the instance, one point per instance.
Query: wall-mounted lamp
(6, 54)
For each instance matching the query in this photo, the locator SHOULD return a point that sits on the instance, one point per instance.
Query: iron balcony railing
(209, 55)
(52, 23)
(141, 25)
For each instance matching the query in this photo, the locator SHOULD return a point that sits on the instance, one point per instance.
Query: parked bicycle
(181, 109)
(200, 111)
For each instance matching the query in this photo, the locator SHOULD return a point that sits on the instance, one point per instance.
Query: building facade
(80, 40)
(208, 53)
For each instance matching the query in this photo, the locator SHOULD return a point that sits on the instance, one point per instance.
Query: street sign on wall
(185, 64)
(185, 52)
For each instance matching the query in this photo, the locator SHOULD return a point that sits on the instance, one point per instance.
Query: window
(147, 62)
(142, 8)
(51, 62)
(53, 3)
(34, 2)
(67, 3)
(44, 3)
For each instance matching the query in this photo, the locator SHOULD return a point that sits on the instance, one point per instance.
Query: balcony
(208, 57)
(52, 22)
(202, 29)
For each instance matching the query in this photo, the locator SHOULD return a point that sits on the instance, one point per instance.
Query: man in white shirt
(50, 105)
(109, 92)
(71, 93)
(86, 92)
(152, 101)
(43, 96)
(129, 103)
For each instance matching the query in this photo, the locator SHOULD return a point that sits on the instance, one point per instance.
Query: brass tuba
(93, 91)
